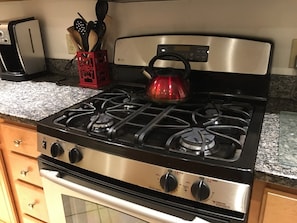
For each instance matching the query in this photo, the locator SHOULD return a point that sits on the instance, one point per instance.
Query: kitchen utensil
(101, 9)
(82, 17)
(92, 40)
(69, 63)
(81, 27)
(101, 32)
(92, 36)
(100, 28)
(168, 85)
(75, 37)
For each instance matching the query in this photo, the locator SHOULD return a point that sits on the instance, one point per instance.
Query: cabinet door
(279, 207)
(7, 213)
(32, 200)
(25, 168)
(20, 139)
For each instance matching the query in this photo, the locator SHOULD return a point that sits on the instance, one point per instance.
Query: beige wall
(273, 19)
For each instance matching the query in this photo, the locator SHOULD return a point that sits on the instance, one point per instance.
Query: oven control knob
(168, 182)
(75, 155)
(56, 150)
(200, 190)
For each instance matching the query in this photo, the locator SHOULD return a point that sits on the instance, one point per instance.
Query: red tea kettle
(168, 85)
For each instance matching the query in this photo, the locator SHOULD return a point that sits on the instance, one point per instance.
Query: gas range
(200, 129)
(192, 138)
(201, 151)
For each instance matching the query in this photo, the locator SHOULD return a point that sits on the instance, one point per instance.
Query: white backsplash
(272, 19)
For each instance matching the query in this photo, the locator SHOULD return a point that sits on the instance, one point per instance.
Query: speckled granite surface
(37, 100)
(269, 165)
(287, 139)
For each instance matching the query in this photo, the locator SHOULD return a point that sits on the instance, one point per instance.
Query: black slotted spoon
(81, 27)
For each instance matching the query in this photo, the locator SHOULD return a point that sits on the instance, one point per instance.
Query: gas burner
(233, 135)
(237, 114)
(208, 111)
(227, 120)
(223, 142)
(99, 123)
(197, 140)
(242, 110)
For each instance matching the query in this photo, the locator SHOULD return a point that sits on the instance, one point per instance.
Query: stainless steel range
(188, 161)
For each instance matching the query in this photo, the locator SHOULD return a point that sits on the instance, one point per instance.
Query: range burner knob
(168, 182)
(56, 150)
(75, 155)
(200, 190)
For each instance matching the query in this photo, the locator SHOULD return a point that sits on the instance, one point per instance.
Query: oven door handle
(117, 203)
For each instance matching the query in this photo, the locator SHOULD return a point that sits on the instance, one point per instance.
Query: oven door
(69, 202)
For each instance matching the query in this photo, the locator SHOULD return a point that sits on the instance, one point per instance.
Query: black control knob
(200, 190)
(75, 155)
(56, 150)
(168, 182)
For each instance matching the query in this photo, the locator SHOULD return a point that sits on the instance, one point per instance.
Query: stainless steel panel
(232, 55)
(29, 46)
(4, 34)
(225, 194)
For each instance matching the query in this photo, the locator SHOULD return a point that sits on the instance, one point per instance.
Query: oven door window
(77, 210)
(69, 202)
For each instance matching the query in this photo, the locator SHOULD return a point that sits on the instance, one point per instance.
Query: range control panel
(205, 53)
(208, 190)
(194, 53)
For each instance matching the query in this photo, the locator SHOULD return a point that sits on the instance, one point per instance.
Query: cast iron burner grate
(213, 128)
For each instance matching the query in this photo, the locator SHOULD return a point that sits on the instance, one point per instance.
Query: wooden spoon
(93, 40)
(76, 37)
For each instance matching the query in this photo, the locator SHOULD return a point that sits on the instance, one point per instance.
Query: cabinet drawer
(31, 200)
(28, 219)
(25, 168)
(19, 139)
(278, 207)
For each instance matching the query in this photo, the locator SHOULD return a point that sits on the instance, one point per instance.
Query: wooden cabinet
(19, 144)
(7, 208)
(273, 204)
(28, 219)
(32, 200)
(278, 207)
(25, 169)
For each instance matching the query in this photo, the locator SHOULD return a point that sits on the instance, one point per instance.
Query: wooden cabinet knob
(17, 142)
(31, 205)
(24, 172)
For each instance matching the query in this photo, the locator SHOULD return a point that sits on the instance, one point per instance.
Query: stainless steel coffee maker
(21, 49)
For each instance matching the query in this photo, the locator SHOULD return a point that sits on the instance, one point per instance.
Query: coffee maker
(21, 49)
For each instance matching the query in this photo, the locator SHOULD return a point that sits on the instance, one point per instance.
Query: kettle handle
(175, 55)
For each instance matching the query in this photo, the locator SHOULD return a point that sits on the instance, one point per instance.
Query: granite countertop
(270, 164)
(32, 101)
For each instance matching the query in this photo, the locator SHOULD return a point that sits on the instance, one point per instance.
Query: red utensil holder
(93, 69)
